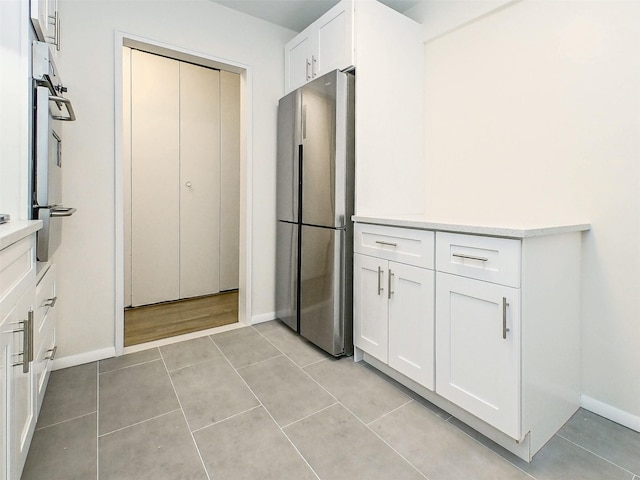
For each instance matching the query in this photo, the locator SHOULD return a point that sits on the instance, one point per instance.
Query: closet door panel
(199, 180)
(229, 179)
(155, 193)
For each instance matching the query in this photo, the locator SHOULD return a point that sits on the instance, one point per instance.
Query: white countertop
(15, 230)
(510, 231)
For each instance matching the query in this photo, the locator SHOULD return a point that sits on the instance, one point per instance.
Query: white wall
(86, 258)
(532, 116)
(14, 108)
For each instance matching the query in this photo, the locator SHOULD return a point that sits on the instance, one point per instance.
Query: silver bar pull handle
(50, 302)
(380, 289)
(390, 292)
(25, 346)
(470, 257)
(308, 75)
(71, 115)
(30, 319)
(314, 66)
(380, 242)
(51, 353)
(505, 304)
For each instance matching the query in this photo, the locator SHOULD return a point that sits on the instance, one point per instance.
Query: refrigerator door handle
(304, 122)
(62, 211)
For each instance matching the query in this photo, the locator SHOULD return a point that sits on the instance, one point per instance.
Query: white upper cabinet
(325, 45)
(46, 21)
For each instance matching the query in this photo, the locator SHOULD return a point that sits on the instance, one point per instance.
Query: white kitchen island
(481, 320)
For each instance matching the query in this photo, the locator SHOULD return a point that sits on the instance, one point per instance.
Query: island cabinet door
(371, 324)
(478, 360)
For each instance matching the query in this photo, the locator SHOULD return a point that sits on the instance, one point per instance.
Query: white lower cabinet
(27, 338)
(478, 349)
(395, 315)
(393, 299)
(498, 323)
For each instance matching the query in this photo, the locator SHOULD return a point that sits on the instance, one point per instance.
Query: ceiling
(296, 14)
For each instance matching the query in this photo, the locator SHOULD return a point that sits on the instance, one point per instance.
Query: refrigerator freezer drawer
(325, 293)
(287, 273)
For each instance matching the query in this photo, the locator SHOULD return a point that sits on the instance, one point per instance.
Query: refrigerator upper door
(325, 300)
(287, 273)
(48, 153)
(287, 174)
(325, 130)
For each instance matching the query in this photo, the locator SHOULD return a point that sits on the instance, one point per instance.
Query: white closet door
(155, 194)
(199, 180)
(230, 179)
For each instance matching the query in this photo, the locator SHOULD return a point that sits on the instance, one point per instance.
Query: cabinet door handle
(390, 292)
(314, 66)
(50, 302)
(470, 257)
(51, 353)
(308, 75)
(386, 243)
(380, 289)
(505, 304)
(27, 343)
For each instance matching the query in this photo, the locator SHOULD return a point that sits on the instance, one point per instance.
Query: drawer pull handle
(387, 243)
(52, 353)
(380, 289)
(390, 292)
(470, 257)
(505, 304)
(50, 302)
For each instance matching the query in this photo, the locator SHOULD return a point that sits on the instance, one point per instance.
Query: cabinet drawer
(492, 259)
(45, 298)
(17, 262)
(43, 362)
(403, 245)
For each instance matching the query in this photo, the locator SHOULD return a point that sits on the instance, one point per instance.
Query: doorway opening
(182, 219)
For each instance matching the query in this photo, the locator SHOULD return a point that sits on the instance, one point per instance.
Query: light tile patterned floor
(262, 403)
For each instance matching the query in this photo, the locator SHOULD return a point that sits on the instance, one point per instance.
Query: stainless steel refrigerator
(315, 190)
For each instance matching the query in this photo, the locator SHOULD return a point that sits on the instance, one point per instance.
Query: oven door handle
(62, 212)
(67, 103)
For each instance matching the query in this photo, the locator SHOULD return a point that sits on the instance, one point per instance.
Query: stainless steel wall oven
(51, 109)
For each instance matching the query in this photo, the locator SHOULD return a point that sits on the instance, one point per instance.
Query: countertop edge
(15, 230)
(496, 231)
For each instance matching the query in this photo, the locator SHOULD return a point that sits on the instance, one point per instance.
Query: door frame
(123, 39)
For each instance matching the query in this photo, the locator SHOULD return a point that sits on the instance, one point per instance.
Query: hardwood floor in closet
(168, 319)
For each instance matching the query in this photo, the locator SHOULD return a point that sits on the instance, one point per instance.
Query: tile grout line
(227, 418)
(184, 416)
(390, 412)
(267, 411)
(130, 366)
(311, 414)
(595, 454)
(139, 423)
(66, 420)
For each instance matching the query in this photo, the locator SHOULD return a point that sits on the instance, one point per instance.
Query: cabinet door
(370, 306)
(478, 349)
(297, 61)
(22, 392)
(335, 41)
(6, 375)
(411, 323)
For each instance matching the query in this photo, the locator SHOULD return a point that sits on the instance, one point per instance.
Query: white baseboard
(263, 317)
(82, 358)
(612, 413)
